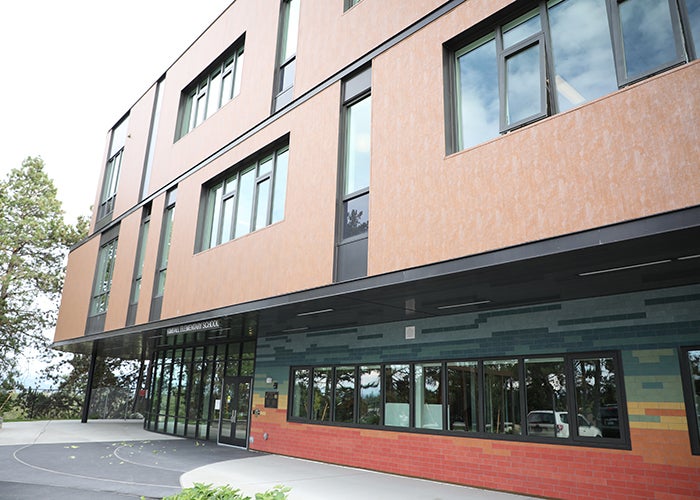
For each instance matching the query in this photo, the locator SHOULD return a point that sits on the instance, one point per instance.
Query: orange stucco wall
(627, 155)
(77, 290)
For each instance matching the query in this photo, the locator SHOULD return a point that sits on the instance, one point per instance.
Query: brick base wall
(660, 464)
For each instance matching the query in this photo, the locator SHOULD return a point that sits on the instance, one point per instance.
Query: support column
(88, 389)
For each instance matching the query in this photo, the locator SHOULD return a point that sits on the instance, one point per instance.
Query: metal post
(90, 380)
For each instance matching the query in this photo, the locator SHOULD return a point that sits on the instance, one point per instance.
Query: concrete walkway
(118, 459)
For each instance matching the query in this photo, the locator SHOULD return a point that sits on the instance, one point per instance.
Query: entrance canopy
(656, 252)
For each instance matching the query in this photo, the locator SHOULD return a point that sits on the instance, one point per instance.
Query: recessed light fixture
(624, 268)
(466, 304)
(310, 313)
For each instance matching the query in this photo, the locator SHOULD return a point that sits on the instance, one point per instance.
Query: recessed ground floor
(595, 397)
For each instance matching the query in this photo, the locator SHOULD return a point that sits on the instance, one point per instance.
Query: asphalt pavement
(118, 459)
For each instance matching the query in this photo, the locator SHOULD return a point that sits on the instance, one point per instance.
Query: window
(163, 254)
(690, 371)
(344, 394)
(287, 51)
(138, 268)
(541, 62)
(299, 407)
(463, 396)
(108, 194)
(351, 256)
(516, 398)
(103, 278)
(245, 200)
(428, 396)
(165, 243)
(349, 3)
(321, 396)
(370, 400)
(220, 84)
(397, 390)
(502, 397)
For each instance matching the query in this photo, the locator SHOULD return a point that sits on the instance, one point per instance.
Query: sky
(72, 68)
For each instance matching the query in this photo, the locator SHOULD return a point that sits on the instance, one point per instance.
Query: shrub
(207, 492)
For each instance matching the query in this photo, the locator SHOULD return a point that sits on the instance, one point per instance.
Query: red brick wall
(660, 464)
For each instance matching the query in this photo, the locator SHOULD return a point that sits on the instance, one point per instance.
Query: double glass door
(235, 411)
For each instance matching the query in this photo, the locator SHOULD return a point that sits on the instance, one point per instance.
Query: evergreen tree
(34, 242)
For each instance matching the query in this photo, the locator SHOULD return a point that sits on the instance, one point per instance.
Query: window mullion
(516, 50)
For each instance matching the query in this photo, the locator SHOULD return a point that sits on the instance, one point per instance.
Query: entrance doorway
(235, 411)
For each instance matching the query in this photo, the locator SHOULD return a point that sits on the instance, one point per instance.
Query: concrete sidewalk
(117, 459)
(319, 481)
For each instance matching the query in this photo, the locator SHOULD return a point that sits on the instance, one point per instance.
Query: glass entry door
(235, 411)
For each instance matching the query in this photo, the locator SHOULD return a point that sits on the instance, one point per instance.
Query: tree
(34, 241)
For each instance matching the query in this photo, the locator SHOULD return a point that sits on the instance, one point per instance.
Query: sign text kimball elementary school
(194, 327)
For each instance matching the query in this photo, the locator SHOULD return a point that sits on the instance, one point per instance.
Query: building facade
(418, 237)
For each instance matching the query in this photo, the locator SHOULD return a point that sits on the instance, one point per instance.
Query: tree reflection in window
(502, 397)
(597, 397)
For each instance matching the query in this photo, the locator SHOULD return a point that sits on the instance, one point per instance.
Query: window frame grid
(491, 29)
(109, 184)
(681, 57)
(196, 98)
(106, 261)
(569, 359)
(211, 208)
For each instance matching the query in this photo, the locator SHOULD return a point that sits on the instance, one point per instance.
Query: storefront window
(597, 398)
(546, 397)
(463, 393)
(321, 398)
(502, 397)
(344, 394)
(397, 386)
(300, 400)
(428, 397)
(370, 399)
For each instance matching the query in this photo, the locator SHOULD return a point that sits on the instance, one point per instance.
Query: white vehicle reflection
(556, 424)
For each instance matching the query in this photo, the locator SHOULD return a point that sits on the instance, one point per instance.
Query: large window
(287, 53)
(690, 370)
(561, 54)
(108, 194)
(559, 399)
(219, 85)
(166, 232)
(353, 216)
(245, 200)
(103, 277)
(138, 267)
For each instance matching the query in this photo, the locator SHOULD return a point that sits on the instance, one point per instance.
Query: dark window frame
(164, 243)
(692, 411)
(283, 94)
(135, 293)
(454, 48)
(96, 317)
(200, 87)
(234, 174)
(110, 178)
(355, 89)
(623, 442)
